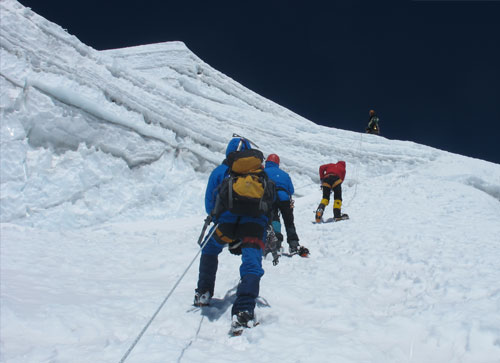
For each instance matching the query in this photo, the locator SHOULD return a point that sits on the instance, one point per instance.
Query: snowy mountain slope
(79, 97)
(104, 161)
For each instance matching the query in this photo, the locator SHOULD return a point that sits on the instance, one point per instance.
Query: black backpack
(246, 191)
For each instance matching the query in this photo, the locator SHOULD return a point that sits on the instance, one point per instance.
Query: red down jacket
(336, 169)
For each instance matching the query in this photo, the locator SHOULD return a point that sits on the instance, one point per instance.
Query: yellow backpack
(246, 191)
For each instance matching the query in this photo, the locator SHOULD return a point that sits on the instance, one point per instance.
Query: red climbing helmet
(274, 158)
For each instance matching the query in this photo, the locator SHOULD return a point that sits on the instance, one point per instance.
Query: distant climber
(373, 127)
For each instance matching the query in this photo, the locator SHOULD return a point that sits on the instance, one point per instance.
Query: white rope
(355, 173)
(166, 298)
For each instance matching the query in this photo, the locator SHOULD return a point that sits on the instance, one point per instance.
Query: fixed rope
(356, 172)
(129, 350)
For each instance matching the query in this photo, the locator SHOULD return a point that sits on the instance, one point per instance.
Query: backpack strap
(261, 201)
(230, 193)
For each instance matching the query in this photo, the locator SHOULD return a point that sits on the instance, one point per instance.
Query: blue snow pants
(250, 232)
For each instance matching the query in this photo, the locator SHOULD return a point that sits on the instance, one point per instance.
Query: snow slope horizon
(105, 156)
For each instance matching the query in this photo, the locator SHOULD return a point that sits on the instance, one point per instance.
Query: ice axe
(244, 138)
(208, 220)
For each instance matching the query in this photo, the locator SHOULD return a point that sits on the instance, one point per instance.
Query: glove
(235, 247)
(292, 203)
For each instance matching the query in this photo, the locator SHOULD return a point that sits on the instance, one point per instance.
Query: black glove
(235, 247)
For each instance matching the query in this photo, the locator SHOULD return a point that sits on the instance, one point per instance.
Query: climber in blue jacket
(243, 234)
(285, 190)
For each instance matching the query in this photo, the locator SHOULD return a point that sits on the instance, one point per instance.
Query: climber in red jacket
(332, 176)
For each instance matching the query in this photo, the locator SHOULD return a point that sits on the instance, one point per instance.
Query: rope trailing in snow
(356, 172)
(166, 298)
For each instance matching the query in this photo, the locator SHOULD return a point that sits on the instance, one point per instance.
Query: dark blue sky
(431, 69)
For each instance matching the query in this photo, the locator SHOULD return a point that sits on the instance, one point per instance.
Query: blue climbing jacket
(283, 182)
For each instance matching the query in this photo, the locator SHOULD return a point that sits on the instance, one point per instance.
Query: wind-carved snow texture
(104, 162)
(493, 190)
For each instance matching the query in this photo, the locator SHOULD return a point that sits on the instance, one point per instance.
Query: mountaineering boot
(242, 320)
(206, 279)
(202, 299)
(303, 252)
(337, 216)
(296, 249)
(293, 247)
(342, 217)
(319, 212)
